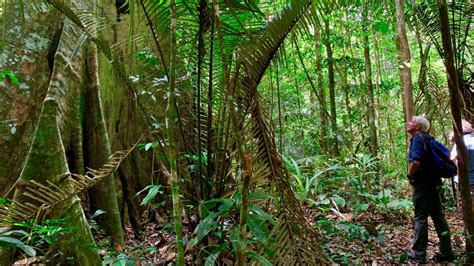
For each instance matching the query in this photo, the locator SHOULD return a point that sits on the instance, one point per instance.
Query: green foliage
(381, 27)
(7, 75)
(129, 257)
(153, 190)
(121, 259)
(385, 202)
(333, 184)
(346, 230)
(34, 238)
(220, 221)
(7, 241)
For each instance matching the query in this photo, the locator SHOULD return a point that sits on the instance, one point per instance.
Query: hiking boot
(412, 256)
(443, 258)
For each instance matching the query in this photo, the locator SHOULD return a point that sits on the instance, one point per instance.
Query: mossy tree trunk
(47, 160)
(97, 151)
(21, 103)
(322, 92)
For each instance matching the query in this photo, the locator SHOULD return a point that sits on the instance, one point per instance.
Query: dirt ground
(392, 241)
(389, 238)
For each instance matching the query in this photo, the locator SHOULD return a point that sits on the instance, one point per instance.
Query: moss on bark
(97, 151)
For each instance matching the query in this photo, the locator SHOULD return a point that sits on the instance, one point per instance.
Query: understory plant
(38, 240)
(218, 231)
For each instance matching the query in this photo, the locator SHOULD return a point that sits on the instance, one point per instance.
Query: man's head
(466, 127)
(417, 124)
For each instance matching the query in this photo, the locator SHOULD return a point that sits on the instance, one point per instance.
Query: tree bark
(332, 93)
(323, 135)
(172, 141)
(424, 54)
(456, 99)
(97, 150)
(373, 146)
(405, 67)
(46, 160)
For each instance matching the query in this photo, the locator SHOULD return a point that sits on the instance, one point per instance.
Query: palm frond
(42, 197)
(461, 16)
(296, 240)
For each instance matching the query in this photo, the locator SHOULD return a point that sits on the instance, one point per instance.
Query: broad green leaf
(153, 190)
(340, 201)
(29, 250)
(261, 259)
(225, 206)
(6, 240)
(211, 259)
(259, 213)
(15, 232)
(204, 227)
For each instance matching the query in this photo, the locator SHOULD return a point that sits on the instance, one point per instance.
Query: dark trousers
(429, 205)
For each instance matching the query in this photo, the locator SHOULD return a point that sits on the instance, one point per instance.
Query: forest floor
(389, 242)
(343, 240)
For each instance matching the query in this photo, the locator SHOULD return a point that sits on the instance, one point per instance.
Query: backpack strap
(423, 139)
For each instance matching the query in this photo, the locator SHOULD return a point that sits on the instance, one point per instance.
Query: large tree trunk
(97, 151)
(405, 66)
(46, 159)
(456, 99)
(22, 106)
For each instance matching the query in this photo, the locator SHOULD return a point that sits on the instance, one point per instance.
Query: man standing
(468, 138)
(426, 198)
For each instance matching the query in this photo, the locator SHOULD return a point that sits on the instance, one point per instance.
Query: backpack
(443, 166)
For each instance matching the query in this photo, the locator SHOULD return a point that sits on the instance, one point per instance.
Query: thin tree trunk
(322, 94)
(332, 93)
(423, 68)
(210, 135)
(295, 78)
(405, 67)
(370, 91)
(280, 116)
(456, 100)
(202, 10)
(172, 141)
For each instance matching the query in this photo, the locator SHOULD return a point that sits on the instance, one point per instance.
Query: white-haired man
(426, 198)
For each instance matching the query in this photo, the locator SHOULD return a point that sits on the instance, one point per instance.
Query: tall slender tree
(321, 90)
(373, 146)
(331, 85)
(405, 57)
(456, 99)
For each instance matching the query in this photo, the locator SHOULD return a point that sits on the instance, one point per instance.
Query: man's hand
(412, 168)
